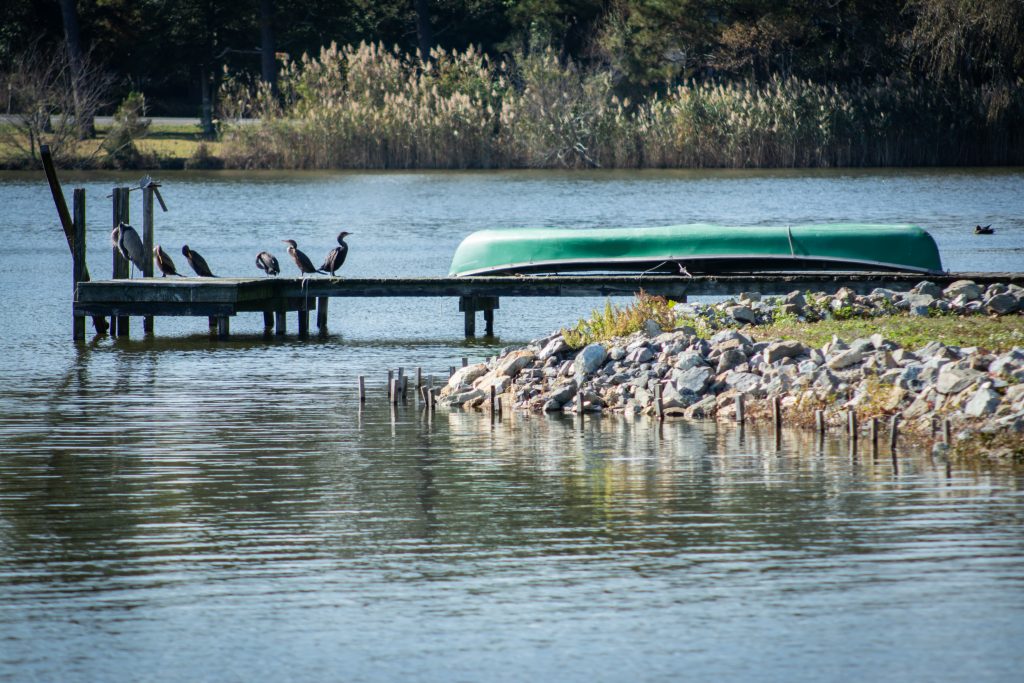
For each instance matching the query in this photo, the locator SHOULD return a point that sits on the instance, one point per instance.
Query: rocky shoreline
(698, 369)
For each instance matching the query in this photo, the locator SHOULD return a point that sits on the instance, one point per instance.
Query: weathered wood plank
(151, 308)
(78, 268)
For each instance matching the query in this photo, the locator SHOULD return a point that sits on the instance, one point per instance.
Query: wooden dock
(220, 299)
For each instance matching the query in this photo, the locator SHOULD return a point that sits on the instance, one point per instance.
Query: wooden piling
(451, 371)
(419, 378)
(268, 321)
(819, 421)
(120, 264)
(494, 399)
(851, 427)
(391, 383)
(489, 322)
(403, 388)
(739, 408)
(98, 321)
(303, 313)
(659, 406)
(873, 433)
(777, 413)
(147, 246)
(321, 312)
(400, 376)
(466, 305)
(223, 327)
(894, 426)
(280, 322)
(393, 391)
(465, 362)
(78, 268)
(362, 390)
(947, 432)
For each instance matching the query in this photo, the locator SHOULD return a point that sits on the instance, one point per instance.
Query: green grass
(911, 332)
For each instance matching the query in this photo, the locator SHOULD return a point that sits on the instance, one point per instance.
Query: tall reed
(370, 107)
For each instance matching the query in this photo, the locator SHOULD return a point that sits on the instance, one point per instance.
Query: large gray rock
(928, 288)
(694, 379)
(515, 361)
(640, 355)
(1002, 304)
(784, 349)
(671, 397)
(589, 359)
(953, 380)
(983, 403)
(555, 347)
(651, 328)
(797, 300)
(690, 359)
(744, 382)
(919, 304)
(729, 359)
(562, 394)
(965, 288)
(726, 335)
(845, 359)
(1005, 364)
(743, 314)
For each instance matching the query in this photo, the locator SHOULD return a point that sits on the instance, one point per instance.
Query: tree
(73, 39)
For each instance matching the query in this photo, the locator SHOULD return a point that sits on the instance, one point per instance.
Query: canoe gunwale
(575, 264)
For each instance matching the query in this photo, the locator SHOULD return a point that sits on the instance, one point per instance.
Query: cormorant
(164, 262)
(267, 262)
(336, 257)
(983, 229)
(301, 260)
(197, 262)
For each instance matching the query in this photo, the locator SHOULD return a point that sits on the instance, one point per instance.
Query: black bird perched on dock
(164, 262)
(301, 260)
(197, 262)
(336, 257)
(267, 262)
(983, 229)
(128, 242)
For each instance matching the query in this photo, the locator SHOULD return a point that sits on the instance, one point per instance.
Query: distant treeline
(370, 107)
(484, 83)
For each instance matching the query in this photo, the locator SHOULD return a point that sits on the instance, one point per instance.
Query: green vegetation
(995, 334)
(532, 83)
(615, 321)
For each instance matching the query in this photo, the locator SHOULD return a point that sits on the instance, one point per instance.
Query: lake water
(182, 509)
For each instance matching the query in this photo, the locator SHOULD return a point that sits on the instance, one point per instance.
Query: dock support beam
(303, 322)
(321, 313)
(280, 322)
(78, 260)
(268, 321)
(147, 247)
(223, 327)
(469, 305)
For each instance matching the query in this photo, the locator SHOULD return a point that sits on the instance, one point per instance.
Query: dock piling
(78, 260)
(147, 246)
(321, 313)
(119, 327)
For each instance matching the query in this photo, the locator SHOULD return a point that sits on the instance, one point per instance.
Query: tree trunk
(423, 30)
(268, 60)
(69, 13)
(206, 112)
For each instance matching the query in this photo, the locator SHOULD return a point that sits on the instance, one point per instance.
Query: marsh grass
(370, 107)
(620, 321)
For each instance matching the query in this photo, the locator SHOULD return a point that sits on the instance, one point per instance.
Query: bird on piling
(197, 262)
(301, 260)
(336, 257)
(129, 244)
(267, 262)
(983, 229)
(164, 262)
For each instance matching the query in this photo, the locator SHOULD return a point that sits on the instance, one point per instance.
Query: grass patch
(615, 321)
(994, 334)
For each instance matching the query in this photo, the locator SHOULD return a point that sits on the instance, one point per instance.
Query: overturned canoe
(698, 248)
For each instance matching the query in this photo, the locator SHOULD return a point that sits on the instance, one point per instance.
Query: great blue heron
(129, 244)
(197, 262)
(164, 262)
(267, 262)
(336, 257)
(301, 260)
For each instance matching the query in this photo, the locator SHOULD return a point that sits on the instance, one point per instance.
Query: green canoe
(699, 249)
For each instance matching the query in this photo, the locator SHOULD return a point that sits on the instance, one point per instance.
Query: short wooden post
(321, 312)
(223, 327)
(280, 322)
(579, 404)
(401, 378)
(851, 427)
(739, 408)
(489, 322)
(403, 388)
(819, 421)
(268, 321)
(419, 378)
(393, 393)
(451, 371)
(494, 399)
(212, 323)
(947, 431)
(894, 426)
(659, 408)
(78, 261)
(147, 246)
(777, 413)
(303, 321)
(362, 389)
(391, 382)
(873, 433)
(465, 362)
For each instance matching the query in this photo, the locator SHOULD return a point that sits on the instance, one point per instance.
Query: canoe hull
(700, 249)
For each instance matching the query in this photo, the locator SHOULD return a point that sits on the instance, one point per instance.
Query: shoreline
(715, 360)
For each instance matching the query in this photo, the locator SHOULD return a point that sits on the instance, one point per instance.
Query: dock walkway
(219, 299)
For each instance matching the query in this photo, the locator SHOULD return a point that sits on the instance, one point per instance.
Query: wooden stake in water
(391, 380)
(78, 269)
(419, 378)
(147, 246)
(777, 413)
(362, 390)
(819, 421)
(403, 388)
(851, 427)
(465, 361)
(494, 400)
(873, 431)
(659, 407)
(947, 431)
(894, 425)
(393, 393)
(739, 408)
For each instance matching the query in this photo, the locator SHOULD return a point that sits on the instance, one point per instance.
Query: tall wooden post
(466, 305)
(119, 326)
(147, 246)
(78, 261)
(321, 313)
(98, 321)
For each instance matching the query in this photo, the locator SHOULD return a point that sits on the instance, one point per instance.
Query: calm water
(176, 509)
